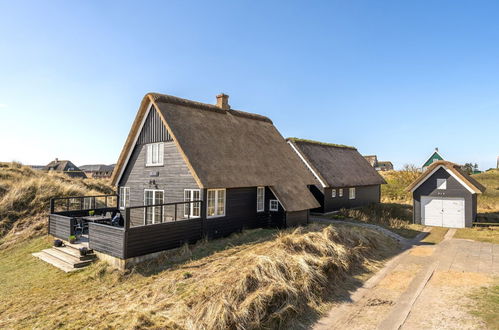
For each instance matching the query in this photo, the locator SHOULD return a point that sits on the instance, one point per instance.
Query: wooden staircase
(67, 258)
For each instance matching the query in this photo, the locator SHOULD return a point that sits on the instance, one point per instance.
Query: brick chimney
(223, 101)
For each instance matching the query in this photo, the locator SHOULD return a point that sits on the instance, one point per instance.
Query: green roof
(433, 158)
(293, 139)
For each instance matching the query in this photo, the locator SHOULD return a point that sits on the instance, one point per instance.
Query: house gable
(433, 158)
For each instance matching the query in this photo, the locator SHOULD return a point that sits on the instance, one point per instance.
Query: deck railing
(146, 215)
(83, 203)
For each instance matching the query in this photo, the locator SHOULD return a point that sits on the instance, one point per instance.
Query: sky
(392, 78)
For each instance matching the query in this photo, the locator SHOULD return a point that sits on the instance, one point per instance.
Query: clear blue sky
(393, 78)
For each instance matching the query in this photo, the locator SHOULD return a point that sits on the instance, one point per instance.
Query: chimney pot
(223, 101)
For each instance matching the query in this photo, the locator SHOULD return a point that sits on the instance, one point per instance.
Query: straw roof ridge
(163, 98)
(294, 139)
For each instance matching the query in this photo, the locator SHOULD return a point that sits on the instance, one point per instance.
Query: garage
(443, 212)
(445, 196)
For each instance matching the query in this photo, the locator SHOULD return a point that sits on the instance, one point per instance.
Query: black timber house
(190, 170)
(445, 196)
(343, 177)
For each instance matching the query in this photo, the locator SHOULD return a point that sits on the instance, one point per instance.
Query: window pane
(221, 202)
(196, 207)
(211, 203)
(187, 198)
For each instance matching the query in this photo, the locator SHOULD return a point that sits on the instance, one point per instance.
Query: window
(153, 214)
(340, 192)
(192, 210)
(351, 193)
(442, 184)
(215, 203)
(124, 197)
(154, 154)
(88, 203)
(260, 199)
(273, 205)
(333, 193)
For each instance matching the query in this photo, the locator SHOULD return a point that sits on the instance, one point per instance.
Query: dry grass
(262, 282)
(483, 234)
(24, 199)
(488, 202)
(397, 182)
(487, 304)
(436, 235)
(395, 217)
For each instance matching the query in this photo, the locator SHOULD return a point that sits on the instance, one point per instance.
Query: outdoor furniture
(97, 218)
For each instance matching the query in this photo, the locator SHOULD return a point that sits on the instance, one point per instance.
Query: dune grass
(258, 279)
(488, 202)
(24, 199)
(395, 217)
(397, 182)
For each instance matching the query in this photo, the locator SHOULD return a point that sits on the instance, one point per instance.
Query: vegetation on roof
(321, 143)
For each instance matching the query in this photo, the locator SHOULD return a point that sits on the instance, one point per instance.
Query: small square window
(441, 184)
(333, 193)
(351, 193)
(273, 205)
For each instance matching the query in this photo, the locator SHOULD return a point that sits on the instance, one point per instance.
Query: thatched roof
(337, 165)
(97, 168)
(454, 169)
(64, 166)
(229, 149)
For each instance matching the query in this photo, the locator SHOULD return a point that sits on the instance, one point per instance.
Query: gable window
(340, 192)
(333, 193)
(260, 199)
(192, 210)
(124, 197)
(273, 205)
(351, 193)
(153, 214)
(442, 184)
(154, 154)
(215, 206)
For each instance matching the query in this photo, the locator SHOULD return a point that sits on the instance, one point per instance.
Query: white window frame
(260, 199)
(340, 192)
(441, 184)
(273, 205)
(216, 205)
(124, 197)
(333, 193)
(192, 205)
(155, 150)
(351, 193)
(153, 208)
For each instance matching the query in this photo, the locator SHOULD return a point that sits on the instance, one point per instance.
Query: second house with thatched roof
(343, 177)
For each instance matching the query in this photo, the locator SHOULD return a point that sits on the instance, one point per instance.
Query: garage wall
(454, 189)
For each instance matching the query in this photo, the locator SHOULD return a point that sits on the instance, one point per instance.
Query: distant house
(98, 171)
(445, 196)
(66, 167)
(379, 165)
(434, 157)
(344, 178)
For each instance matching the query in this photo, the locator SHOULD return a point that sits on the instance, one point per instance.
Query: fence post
(67, 204)
(52, 205)
(127, 218)
(175, 218)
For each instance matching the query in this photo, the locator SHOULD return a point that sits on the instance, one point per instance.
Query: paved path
(425, 287)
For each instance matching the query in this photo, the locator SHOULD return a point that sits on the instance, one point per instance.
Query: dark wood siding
(61, 226)
(173, 177)
(107, 239)
(298, 218)
(154, 238)
(454, 189)
(153, 129)
(364, 195)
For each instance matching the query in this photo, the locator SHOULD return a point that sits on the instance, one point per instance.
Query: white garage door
(442, 212)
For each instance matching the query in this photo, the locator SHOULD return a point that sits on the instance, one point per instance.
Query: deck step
(55, 262)
(67, 258)
(75, 253)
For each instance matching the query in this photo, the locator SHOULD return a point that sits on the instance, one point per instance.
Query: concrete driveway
(425, 287)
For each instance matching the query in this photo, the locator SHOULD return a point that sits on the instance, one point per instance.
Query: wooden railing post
(52, 205)
(175, 218)
(127, 218)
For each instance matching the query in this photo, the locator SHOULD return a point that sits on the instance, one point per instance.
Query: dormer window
(154, 154)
